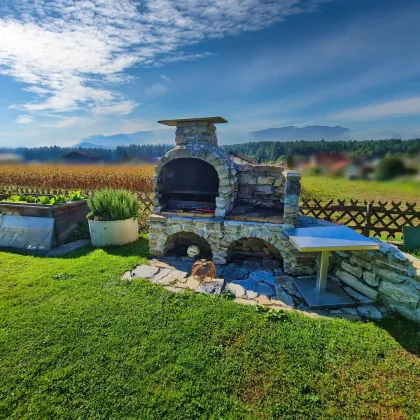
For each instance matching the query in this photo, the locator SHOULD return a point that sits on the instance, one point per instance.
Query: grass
(329, 188)
(77, 342)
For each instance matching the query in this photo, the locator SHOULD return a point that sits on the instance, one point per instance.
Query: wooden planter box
(66, 216)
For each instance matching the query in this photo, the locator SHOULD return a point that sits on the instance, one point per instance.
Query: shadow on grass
(405, 332)
(139, 248)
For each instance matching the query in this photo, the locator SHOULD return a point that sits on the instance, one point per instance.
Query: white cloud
(65, 122)
(24, 119)
(67, 51)
(156, 89)
(396, 108)
(120, 108)
(166, 78)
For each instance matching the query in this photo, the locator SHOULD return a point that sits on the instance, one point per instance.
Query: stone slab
(173, 277)
(213, 286)
(144, 271)
(262, 276)
(357, 296)
(236, 289)
(369, 312)
(353, 282)
(161, 274)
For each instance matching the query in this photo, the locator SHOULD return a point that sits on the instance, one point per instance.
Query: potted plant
(113, 217)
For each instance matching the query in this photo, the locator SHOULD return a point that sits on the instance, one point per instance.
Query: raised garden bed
(67, 217)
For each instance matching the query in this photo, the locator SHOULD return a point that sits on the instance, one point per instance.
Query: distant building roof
(79, 156)
(9, 157)
(333, 161)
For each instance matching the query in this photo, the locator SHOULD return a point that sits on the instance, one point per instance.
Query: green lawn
(77, 342)
(329, 188)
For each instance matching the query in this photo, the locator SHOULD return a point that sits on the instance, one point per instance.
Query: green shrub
(110, 204)
(389, 168)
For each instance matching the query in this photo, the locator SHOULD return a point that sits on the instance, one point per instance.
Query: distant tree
(389, 168)
(290, 162)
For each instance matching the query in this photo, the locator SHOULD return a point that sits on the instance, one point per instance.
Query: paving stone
(190, 283)
(357, 296)
(241, 273)
(220, 270)
(236, 289)
(160, 263)
(264, 289)
(161, 274)
(144, 271)
(263, 300)
(173, 277)
(250, 294)
(230, 271)
(126, 276)
(335, 311)
(262, 276)
(283, 296)
(213, 286)
(369, 312)
(350, 311)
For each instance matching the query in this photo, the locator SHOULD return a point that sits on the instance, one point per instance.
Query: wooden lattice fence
(382, 219)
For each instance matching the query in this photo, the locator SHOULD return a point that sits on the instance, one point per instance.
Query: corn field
(85, 177)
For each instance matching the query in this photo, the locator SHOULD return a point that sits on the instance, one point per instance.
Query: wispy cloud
(395, 108)
(72, 53)
(156, 89)
(166, 78)
(24, 119)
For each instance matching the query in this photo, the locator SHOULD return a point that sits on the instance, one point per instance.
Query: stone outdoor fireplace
(231, 210)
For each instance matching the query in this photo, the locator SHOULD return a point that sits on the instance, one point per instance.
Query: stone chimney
(195, 130)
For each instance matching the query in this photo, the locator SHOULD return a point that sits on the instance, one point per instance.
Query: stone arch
(202, 234)
(235, 230)
(214, 156)
(255, 248)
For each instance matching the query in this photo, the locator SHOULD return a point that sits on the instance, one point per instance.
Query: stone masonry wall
(260, 185)
(222, 234)
(388, 276)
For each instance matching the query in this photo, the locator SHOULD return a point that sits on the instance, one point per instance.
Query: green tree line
(263, 151)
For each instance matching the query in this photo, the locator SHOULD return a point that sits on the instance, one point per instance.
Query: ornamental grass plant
(111, 204)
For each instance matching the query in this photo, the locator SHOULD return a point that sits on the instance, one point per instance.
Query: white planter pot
(116, 232)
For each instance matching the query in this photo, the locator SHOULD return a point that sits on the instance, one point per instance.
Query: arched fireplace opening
(188, 184)
(255, 251)
(178, 243)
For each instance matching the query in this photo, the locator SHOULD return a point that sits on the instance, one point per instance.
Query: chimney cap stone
(212, 120)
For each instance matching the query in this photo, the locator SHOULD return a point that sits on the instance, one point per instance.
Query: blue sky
(74, 68)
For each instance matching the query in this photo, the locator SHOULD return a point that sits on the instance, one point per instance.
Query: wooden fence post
(366, 230)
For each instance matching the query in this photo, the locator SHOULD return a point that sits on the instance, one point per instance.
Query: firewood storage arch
(178, 243)
(248, 247)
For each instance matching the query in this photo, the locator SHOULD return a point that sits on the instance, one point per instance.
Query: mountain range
(290, 133)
